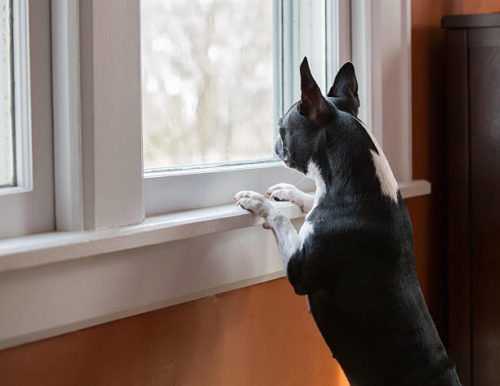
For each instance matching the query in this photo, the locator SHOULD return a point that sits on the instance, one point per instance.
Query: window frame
(95, 188)
(28, 206)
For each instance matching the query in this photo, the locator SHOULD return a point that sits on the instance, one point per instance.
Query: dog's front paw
(283, 192)
(255, 203)
(288, 192)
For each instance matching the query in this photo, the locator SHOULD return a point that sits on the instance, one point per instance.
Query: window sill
(13, 190)
(36, 250)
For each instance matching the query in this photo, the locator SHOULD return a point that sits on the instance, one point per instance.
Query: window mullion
(112, 169)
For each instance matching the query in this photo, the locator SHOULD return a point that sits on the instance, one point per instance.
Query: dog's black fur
(357, 267)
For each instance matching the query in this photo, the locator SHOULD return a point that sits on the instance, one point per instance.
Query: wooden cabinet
(473, 166)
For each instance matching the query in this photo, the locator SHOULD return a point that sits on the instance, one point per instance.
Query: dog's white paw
(255, 203)
(288, 192)
(284, 192)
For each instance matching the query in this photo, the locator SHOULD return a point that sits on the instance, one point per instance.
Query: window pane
(7, 175)
(207, 81)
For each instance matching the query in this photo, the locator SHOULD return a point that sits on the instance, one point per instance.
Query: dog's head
(307, 123)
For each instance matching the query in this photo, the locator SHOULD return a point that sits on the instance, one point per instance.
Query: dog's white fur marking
(385, 176)
(314, 173)
(388, 183)
(289, 242)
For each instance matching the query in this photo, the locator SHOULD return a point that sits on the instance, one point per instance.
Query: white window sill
(31, 251)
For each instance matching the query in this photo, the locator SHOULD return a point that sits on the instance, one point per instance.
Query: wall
(260, 335)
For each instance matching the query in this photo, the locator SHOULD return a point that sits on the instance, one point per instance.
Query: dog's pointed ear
(313, 104)
(345, 89)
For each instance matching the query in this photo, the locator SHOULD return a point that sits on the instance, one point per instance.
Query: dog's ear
(345, 89)
(313, 104)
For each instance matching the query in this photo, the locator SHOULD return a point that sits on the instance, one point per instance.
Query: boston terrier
(353, 256)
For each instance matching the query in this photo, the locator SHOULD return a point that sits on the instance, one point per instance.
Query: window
(185, 85)
(90, 67)
(213, 86)
(7, 149)
(26, 176)
(207, 82)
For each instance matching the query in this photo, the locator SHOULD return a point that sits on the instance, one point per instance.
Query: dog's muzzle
(278, 148)
(281, 151)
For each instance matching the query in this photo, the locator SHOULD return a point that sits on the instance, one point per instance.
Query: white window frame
(28, 207)
(98, 116)
(140, 264)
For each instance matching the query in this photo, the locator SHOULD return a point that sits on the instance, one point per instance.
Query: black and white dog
(353, 257)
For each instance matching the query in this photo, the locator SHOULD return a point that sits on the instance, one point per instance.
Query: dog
(353, 256)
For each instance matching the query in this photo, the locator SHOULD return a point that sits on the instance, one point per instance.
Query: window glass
(7, 170)
(207, 81)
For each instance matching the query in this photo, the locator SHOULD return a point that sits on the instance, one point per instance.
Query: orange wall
(261, 335)
(258, 336)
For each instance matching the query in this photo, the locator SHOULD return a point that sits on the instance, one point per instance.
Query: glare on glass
(7, 174)
(207, 81)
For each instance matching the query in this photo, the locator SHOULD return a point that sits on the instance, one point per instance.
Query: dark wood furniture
(473, 155)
